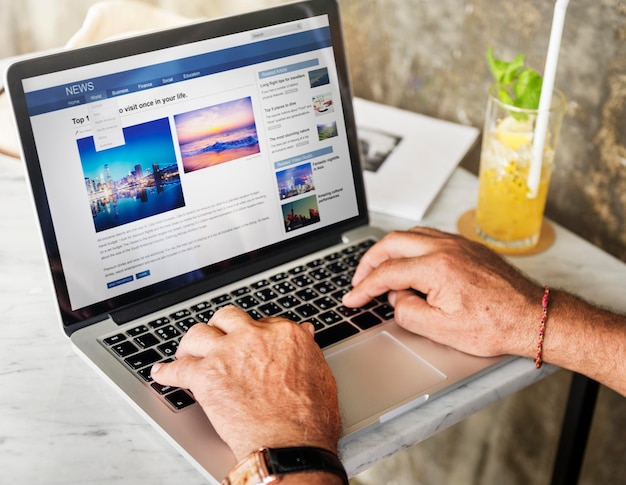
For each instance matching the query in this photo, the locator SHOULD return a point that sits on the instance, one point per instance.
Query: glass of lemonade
(509, 212)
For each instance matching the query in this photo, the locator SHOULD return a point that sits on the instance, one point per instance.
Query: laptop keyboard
(311, 292)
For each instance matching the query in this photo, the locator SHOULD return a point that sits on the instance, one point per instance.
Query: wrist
(304, 464)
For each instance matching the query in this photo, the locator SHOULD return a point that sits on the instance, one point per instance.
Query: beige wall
(428, 56)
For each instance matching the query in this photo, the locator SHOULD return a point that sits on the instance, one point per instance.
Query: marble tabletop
(62, 424)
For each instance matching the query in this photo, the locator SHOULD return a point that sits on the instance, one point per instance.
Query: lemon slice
(515, 133)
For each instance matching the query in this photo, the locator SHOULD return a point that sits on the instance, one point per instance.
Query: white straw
(545, 100)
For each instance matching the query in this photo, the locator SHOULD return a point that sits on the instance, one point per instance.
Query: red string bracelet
(542, 327)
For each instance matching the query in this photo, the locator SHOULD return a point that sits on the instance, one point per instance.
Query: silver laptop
(213, 164)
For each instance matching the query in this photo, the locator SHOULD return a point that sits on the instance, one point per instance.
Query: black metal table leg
(581, 403)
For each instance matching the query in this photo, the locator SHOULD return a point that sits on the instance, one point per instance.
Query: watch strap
(304, 459)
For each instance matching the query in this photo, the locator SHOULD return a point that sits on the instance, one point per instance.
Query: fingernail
(155, 368)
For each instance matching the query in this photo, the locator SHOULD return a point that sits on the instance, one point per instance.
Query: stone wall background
(428, 56)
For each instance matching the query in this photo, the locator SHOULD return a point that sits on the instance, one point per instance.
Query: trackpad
(377, 375)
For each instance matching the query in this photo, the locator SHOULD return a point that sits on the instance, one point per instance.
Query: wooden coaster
(466, 227)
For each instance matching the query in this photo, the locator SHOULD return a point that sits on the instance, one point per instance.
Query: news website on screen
(158, 164)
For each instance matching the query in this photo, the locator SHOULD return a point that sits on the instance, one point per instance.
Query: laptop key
(307, 294)
(342, 280)
(159, 322)
(205, 316)
(279, 277)
(270, 309)
(168, 332)
(325, 303)
(307, 310)
(315, 263)
(289, 315)
(297, 270)
(246, 302)
(115, 339)
(200, 306)
(332, 257)
(179, 399)
(284, 287)
(337, 267)
(125, 348)
(325, 287)
(162, 389)
(334, 334)
(255, 314)
(145, 374)
(302, 280)
(329, 317)
(366, 320)
(240, 291)
(220, 300)
(143, 359)
(319, 274)
(168, 348)
(316, 323)
(259, 284)
(138, 330)
(186, 324)
(266, 294)
(180, 314)
(146, 340)
(346, 311)
(288, 301)
(385, 311)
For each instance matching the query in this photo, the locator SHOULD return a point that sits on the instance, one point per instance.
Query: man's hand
(261, 383)
(475, 301)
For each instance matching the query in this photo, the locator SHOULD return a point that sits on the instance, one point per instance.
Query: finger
(198, 341)
(417, 241)
(411, 310)
(178, 373)
(308, 326)
(393, 274)
(230, 318)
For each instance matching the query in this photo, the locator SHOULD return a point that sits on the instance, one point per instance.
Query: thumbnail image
(133, 181)
(319, 77)
(323, 104)
(217, 134)
(327, 130)
(376, 146)
(295, 181)
(300, 213)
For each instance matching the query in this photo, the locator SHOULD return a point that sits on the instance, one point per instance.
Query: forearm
(586, 339)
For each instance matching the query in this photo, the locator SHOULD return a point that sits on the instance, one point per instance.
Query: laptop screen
(202, 150)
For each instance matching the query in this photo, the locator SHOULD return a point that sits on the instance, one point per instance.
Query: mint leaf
(527, 89)
(519, 86)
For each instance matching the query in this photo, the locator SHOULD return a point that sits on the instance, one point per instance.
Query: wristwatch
(268, 465)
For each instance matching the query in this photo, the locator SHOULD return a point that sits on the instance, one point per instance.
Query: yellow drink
(508, 213)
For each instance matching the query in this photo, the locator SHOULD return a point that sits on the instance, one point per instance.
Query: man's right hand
(475, 301)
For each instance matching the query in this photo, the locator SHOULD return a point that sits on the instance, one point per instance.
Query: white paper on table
(419, 155)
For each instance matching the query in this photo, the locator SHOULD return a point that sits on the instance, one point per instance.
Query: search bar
(275, 31)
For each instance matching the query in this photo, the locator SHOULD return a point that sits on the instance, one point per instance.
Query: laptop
(216, 163)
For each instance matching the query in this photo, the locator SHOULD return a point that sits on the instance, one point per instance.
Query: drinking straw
(545, 99)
